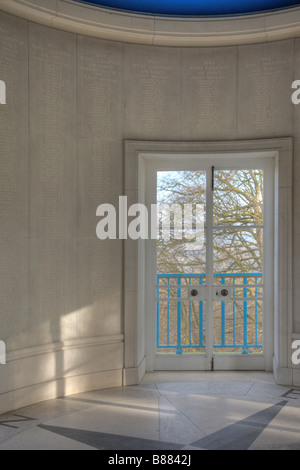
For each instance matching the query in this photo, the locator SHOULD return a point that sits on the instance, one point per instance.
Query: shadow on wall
(61, 288)
(65, 351)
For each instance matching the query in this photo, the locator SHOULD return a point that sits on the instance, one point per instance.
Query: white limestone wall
(71, 102)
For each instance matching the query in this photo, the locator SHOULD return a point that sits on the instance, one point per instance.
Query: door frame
(211, 359)
(137, 153)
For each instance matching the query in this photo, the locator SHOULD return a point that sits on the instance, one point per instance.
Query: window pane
(185, 254)
(238, 197)
(238, 251)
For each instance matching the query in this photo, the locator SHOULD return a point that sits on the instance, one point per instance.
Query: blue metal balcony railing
(169, 321)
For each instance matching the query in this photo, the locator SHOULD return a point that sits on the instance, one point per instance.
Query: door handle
(197, 293)
(219, 293)
(224, 293)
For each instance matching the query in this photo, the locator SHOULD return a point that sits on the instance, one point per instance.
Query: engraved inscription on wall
(100, 179)
(101, 123)
(297, 77)
(209, 93)
(98, 310)
(13, 132)
(210, 79)
(153, 78)
(152, 93)
(100, 83)
(265, 74)
(53, 124)
(105, 168)
(54, 283)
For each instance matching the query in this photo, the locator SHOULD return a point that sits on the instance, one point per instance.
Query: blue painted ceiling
(194, 7)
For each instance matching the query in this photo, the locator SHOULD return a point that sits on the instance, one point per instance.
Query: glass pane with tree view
(181, 264)
(238, 260)
(238, 197)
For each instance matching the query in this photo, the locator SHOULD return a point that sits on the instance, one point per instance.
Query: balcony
(237, 322)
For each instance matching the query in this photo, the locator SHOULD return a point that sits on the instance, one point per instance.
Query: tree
(237, 241)
(237, 203)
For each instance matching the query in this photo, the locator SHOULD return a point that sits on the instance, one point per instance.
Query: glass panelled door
(212, 305)
(181, 323)
(239, 215)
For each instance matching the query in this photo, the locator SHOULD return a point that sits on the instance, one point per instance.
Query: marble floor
(167, 411)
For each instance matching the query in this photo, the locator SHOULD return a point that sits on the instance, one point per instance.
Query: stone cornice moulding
(51, 348)
(87, 20)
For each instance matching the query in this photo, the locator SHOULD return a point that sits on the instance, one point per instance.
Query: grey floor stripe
(104, 441)
(237, 436)
(240, 435)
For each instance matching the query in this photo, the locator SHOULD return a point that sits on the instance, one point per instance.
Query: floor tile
(175, 426)
(167, 411)
(206, 388)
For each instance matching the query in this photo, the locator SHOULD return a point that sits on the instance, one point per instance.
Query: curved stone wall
(90, 20)
(72, 100)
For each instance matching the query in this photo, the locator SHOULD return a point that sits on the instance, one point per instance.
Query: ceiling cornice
(112, 25)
